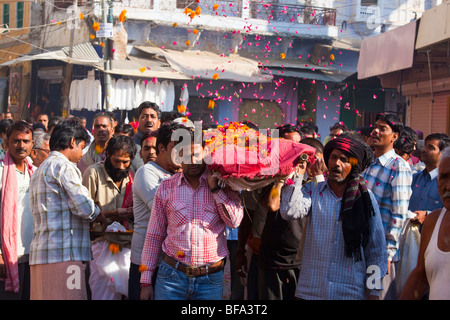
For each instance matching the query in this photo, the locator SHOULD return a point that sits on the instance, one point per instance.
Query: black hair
(104, 114)
(444, 140)
(121, 142)
(20, 125)
(5, 124)
(364, 131)
(313, 142)
(308, 127)
(149, 134)
(391, 120)
(287, 128)
(167, 117)
(338, 125)
(148, 104)
(112, 115)
(250, 124)
(63, 133)
(53, 122)
(125, 128)
(406, 141)
(165, 134)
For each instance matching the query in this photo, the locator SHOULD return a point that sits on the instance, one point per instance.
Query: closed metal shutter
(439, 119)
(430, 117)
(420, 113)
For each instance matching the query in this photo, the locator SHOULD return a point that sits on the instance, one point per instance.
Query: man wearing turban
(345, 237)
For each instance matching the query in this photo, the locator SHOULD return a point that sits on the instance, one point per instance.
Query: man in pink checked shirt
(189, 215)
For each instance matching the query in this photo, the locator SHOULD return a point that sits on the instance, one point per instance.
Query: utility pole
(68, 74)
(106, 57)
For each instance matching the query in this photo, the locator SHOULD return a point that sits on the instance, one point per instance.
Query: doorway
(266, 114)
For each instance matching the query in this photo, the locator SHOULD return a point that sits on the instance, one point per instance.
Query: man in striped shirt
(389, 177)
(190, 213)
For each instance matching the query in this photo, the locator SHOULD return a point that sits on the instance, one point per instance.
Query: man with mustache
(389, 177)
(148, 146)
(187, 225)
(425, 196)
(345, 235)
(146, 182)
(16, 224)
(110, 186)
(103, 132)
(149, 117)
(432, 272)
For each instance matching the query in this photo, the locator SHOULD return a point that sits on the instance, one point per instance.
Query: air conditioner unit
(50, 73)
(368, 13)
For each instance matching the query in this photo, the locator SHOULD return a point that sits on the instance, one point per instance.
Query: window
(64, 4)
(19, 15)
(5, 14)
(368, 3)
(181, 4)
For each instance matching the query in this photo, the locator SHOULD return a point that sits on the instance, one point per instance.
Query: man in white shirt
(149, 116)
(16, 220)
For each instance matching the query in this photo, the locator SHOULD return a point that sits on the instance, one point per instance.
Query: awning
(142, 68)
(83, 54)
(203, 65)
(50, 55)
(388, 52)
(326, 76)
(434, 26)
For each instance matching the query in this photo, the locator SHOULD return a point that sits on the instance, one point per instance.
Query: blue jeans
(172, 284)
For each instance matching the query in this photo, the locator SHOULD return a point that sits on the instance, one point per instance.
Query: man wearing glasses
(41, 148)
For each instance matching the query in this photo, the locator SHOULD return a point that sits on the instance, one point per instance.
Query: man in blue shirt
(389, 177)
(425, 196)
(345, 238)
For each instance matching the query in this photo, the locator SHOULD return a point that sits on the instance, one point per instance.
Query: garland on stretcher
(249, 159)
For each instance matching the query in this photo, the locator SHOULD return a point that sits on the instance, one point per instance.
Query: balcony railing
(272, 11)
(292, 13)
(254, 9)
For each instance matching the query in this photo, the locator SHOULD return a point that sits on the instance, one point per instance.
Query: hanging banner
(15, 82)
(105, 30)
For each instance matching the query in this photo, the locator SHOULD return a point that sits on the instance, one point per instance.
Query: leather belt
(193, 271)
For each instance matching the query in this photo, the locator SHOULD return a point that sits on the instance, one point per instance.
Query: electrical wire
(224, 23)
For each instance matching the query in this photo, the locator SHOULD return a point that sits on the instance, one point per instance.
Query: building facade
(273, 62)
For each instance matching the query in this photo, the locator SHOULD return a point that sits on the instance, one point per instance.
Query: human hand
(101, 220)
(318, 167)
(213, 181)
(147, 293)
(124, 213)
(2, 268)
(420, 216)
(241, 263)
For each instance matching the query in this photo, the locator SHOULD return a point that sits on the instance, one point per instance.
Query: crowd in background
(313, 235)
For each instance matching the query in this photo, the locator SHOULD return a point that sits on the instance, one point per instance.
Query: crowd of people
(331, 230)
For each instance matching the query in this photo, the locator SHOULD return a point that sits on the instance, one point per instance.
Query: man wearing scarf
(16, 223)
(344, 255)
